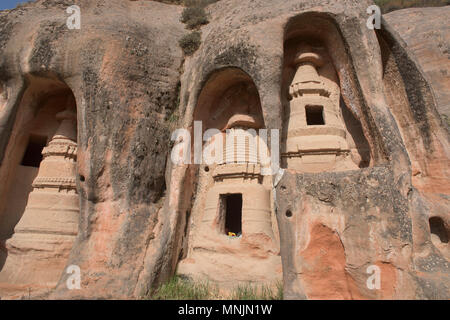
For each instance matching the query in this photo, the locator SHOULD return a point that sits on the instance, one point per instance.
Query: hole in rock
(288, 213)
(438, 229)
(314, 115)
(233, 213)
(33, 153)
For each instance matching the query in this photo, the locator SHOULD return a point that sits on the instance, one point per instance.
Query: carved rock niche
(320, 133)
(45, 202)
(232, 236)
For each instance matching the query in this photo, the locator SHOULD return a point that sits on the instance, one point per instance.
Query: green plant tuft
(190, 43)
(178, 288)
(252, 292)
(194, 17)
(183, 289)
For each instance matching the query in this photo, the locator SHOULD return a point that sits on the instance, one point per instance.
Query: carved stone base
(35, 260)
(40, 246)
(229, 260)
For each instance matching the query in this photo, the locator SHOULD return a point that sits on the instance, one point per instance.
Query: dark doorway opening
(314, 115)
(33, 154)
(437, 227)
(233, 213)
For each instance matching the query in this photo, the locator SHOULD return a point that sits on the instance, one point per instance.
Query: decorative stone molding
(56, 182)
(231, 171)
(65, 149)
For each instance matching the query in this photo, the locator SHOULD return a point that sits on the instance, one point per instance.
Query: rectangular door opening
(314, 115)
(233, 213)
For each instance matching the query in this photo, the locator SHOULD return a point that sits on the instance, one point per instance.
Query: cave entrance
(33, 153)
(438, 230)
(233, 213)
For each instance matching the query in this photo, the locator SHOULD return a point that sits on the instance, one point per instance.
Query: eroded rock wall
(133, 86)
(426, 32)
(123, 68)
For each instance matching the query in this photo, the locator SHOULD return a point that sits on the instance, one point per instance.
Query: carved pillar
(253, 254)
(240, 173)
(316, 135)
(43, 238)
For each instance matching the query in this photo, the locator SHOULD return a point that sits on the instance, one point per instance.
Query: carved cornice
(243, 170)
(62, 149)
(299, 89)
(329, 151)
(55, 182)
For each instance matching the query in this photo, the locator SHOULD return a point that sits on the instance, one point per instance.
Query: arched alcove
(439, 231)
(440, 234)
(39, 200)
(232, 215)
(226, 95)
(320, 131)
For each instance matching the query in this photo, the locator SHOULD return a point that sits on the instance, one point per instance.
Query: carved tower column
(316, 135)
(234, 240)
(43, 238)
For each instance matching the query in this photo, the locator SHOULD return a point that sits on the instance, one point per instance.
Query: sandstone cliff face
(426, 33)
(123, 69)
(133, 86)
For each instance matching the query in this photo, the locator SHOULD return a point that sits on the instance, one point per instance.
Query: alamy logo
(374, 281)
(74, 280)
(374, 21)
(74, 21)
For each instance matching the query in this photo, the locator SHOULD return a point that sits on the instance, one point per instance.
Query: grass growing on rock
(194, 17)
(255, 292)
(178, 288)
(183, 289)
(190, 43)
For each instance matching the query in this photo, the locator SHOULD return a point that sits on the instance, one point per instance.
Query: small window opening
(233, 214)
(437, 228)
(314, 115)
(33, 153)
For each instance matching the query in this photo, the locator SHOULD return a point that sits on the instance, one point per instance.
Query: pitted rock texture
(426, 31)
(133, 86)
(341, 225)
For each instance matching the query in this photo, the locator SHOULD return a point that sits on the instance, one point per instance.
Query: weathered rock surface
(123, 68)
(132, 86)
(426, 31)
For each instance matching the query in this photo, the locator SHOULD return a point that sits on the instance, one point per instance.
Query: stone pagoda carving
(316, 134)
(50, 221)
(236, 213)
